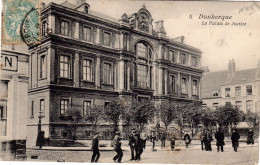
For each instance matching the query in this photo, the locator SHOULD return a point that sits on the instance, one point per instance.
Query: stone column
(160, 51)
(52, 23)
(128, 76)
(189, 86)
(121, 75)
(200, 88)
(97, 72)
(76, 65)
(160, 81)
(179, 83)
(117, 42)
(178, 52)
(166, 81)
(98, 36)
(76, 30)
(121, 42)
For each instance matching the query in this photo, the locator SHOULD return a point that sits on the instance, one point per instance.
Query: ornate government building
(88, 58)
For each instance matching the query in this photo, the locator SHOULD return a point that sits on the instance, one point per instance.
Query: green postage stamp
(21, 21)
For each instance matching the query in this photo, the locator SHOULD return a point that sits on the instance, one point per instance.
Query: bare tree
(93, 115)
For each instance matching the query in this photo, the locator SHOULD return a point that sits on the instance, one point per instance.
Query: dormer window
(86, 9)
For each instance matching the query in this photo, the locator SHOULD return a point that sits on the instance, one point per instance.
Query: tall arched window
(143, 65)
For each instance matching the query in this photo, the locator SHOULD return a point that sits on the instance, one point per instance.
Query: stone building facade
(88, 58)
(13, 98)
(239, 88)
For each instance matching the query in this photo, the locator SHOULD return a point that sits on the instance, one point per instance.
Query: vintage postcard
(165, 82)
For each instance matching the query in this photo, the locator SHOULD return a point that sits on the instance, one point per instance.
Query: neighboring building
(240, 88)
(13, 96)
(89, 58)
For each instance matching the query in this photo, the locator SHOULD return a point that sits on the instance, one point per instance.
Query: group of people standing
(206, 139)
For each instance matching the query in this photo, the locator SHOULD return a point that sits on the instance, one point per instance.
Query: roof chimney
(231, 68)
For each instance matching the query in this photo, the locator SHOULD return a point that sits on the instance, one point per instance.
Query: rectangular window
(249, 105)
(32, 109)
(64, 28)
(64, 66)
(172, 84)
(249, 90)
(238, 91)
(215, 106)
(183, 59)
(184, 85)
(171, 56)
(227, 92)
(142, 72)
(44, 28)
(195, 89)
(86, 105)
(42, 107)
(194, 61)
(88, 70)
(238, 104)
(3, 113)
(64, 104)
(107, 73)
(106, 39)
(87, 34)
(43, 67)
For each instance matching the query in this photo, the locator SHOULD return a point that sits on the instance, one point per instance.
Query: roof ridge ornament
(144, 5)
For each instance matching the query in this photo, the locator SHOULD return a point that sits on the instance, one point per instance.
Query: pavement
(195, 144)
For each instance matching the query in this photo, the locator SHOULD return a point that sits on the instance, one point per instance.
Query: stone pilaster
(97, 72)
(76, 30)
(121, 75)
(189, 83)
(51, 23)
(76, 65)
(128, 76)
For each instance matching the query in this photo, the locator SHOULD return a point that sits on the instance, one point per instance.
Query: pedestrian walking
(117, 148)
(173, 143)
(250, 136)
(132, 144)
(163, 138)
(138, 147)
(202, 139)
(152, 139)
(235, 137)
(95, 148)
(187, 139)
(208, 140)
(220, 139)
(143, 139)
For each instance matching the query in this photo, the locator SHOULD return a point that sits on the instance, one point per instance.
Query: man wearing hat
(95, 149)
(132, 144)
(117, 148)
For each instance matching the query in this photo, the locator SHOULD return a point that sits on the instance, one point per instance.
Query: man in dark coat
(250, 136)
(208, 140)
(138, 147)
(220, 139)
(202, 139)
(163, 138)
(95, 148)
(132, 144)
(152, 139)
(117, 148)
(235, 137)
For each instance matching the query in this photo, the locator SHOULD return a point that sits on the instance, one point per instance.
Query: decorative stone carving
(124, 18)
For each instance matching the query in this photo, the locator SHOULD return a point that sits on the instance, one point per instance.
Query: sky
(218, 43)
